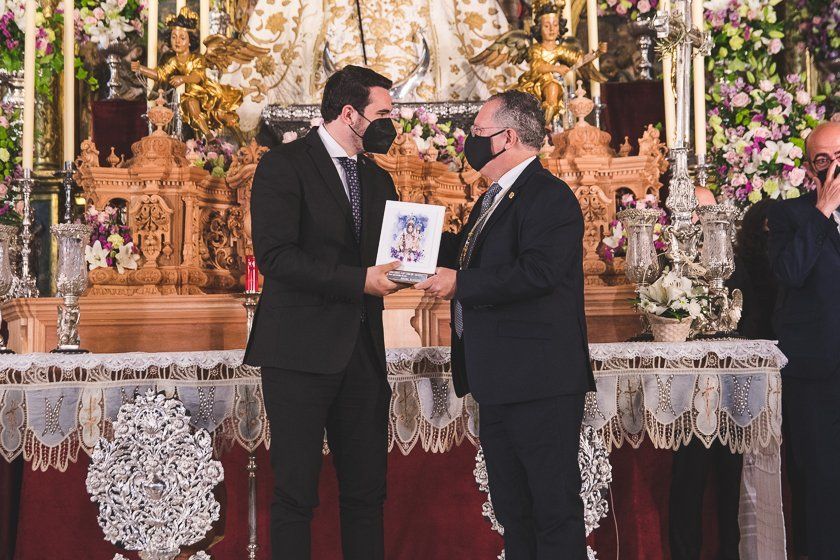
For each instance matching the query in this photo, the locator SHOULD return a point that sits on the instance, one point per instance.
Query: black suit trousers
(531, 450)
(352, 406)
(813, 414)
(690, 471)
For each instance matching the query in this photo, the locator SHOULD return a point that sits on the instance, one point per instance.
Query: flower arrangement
(673, 297)
(435, 140)
(110, 245)
(10, 169)
(105, 22)
(214, 155)
(48, 62)
(615, 244)
(758, 138)
(817, 23)
(629, 9)
(746, 35)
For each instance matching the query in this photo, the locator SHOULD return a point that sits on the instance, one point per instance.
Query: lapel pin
(511, 195)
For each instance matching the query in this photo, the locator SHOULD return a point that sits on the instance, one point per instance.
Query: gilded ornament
(206, 105)
(550, 56)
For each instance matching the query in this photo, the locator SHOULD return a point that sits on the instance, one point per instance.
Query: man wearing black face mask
(316, 208)
(519, 345)
(805, 254)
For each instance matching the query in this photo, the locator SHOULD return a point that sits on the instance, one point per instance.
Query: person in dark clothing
(693, 462)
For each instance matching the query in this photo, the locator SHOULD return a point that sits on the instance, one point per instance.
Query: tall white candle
(699, 84)
(69, 84)
(179, 4)
(203, 21)
(592, 33)
(152, 38)
(668, 90)
(567, 15)
(29, 85)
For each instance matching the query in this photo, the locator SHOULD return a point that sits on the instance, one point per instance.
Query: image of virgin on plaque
(408, 242)
(411, 234)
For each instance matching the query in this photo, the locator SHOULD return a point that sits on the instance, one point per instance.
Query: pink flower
(643, 6)
(98, 13)
(796, 176)
(4, 122)
(803, 97)
(775, 46)
(621, 10)
(765, 85)
(740, 99)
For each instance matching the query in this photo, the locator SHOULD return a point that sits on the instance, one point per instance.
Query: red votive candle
(252, 275)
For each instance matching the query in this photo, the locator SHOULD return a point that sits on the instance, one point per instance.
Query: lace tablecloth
(53, 406)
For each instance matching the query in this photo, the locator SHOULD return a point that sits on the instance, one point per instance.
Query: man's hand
(828, 195)
(442, 285)
(377, 283)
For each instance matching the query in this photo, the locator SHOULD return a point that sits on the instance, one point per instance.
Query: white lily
(96, 256)
(126, 259)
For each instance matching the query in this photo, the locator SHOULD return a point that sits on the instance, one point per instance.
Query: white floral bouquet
(758, 138)
(105, 22)
(110, 244)
(673, 297)
(434, 140)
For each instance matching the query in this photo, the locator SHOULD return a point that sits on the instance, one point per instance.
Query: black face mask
(378, 136)
(479, 150)
(822, 176)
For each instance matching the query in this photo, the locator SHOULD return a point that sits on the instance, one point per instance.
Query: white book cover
(411, 234)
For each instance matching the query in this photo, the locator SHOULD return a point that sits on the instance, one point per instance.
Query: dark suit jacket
(805, 254)
(310, 311)
(524, 324)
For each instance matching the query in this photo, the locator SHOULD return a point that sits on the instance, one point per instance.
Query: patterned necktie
(466, 254)
(351, 172)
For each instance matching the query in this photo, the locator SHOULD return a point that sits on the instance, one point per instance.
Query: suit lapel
(508, 200)
(369, 239)
(326, 168)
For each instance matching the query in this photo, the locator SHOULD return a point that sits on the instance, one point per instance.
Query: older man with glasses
(515, 278)
(805, 255)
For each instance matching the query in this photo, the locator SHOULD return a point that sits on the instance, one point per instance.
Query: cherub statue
(206, 105)
(550, 56)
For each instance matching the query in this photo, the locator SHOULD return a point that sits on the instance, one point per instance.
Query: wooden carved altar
(184, 221)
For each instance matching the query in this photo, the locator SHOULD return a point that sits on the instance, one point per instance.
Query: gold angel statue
(206, 105)
(549, 57)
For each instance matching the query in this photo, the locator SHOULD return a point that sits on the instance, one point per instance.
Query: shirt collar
(333, 148)
(508, 179)
(837, 216)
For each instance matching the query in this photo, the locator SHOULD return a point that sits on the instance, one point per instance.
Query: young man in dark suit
(805, 255)
(316, 209)
(515, 278)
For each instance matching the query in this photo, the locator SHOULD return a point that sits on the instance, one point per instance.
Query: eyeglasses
(822, 161)
(479, 130)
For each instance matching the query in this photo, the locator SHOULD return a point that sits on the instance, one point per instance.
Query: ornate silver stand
(67, 183)
(249, 301)
(112, 60)
(26, 284)
(7, 233)
(154, 482)
(71, 283)
(599, 107)
(715, 261)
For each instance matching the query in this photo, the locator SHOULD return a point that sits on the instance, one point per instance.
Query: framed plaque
(410, 234)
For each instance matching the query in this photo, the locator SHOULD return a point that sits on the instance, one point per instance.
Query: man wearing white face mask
(519, 344)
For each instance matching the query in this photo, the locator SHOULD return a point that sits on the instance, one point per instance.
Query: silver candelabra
(26, 285)
(71, 282)
(701, 252)
(249, 301)
(7, 234)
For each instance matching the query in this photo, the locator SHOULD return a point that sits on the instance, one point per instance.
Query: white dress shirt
(837, 218)
(507, 180)
(336, 151)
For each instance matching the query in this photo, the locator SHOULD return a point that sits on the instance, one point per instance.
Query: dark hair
(521, 112)
(536, 30)
(195, 41)
(350, 86)
(751, 241)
